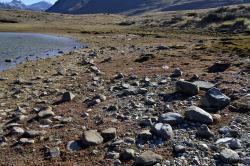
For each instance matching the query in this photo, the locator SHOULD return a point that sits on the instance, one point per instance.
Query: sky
(28, 2)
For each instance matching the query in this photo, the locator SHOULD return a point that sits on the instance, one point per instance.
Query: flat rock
(171, 118)
(204, 85)
(229, 156)
(148, 158)
(26, 141)
(91, 138)
(46, 112)
(187, 88)
(233, 143)
(17, 131)
(197, 114)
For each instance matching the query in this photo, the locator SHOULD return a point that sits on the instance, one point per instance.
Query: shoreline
(37, 53)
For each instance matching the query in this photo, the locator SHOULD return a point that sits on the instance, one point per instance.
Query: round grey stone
(164, 131)
(229, 156)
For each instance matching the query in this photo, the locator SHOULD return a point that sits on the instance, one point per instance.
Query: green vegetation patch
(235, 45)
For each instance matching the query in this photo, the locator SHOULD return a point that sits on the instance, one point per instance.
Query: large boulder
(91, 138)
(187, 88)
(215, 99)
(148, 158)
(197, 114)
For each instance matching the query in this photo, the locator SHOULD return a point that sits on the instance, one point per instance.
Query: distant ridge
(18, 4)
(134, 6)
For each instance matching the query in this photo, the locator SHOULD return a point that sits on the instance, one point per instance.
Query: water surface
(16, 48)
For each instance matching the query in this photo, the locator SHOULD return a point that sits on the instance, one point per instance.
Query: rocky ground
(130, 98)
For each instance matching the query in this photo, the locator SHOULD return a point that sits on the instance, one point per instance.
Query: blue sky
(28, 2)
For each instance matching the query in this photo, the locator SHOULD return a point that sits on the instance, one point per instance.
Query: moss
(234, 45)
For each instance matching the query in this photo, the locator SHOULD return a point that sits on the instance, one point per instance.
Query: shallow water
(16, 48)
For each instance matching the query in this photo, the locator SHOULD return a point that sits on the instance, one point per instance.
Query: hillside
(201, 4)
(39, 6)
(98, 6)
(135, 6)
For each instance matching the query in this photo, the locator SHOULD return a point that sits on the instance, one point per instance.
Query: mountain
(4, 6)
(18, 4)
(40, 6)
(134, 6)
(102, 6)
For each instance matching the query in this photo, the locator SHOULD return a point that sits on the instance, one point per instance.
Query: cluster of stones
(183, 121)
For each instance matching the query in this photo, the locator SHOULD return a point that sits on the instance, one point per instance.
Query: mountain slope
(103, 6)
(134, 6)
(40, 6)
